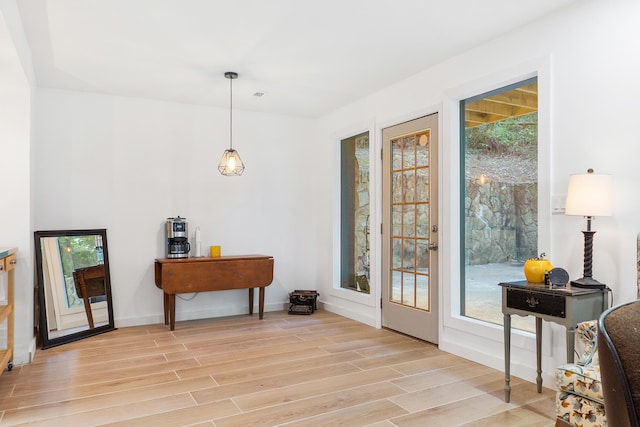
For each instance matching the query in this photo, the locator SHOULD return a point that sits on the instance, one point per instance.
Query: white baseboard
(197, 314)
(32, 349)
(494, 361)
(348, 312)
(25, 355)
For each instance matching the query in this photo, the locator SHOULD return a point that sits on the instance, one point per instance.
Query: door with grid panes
(410, 228)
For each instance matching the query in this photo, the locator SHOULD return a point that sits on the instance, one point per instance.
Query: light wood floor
(294, 370)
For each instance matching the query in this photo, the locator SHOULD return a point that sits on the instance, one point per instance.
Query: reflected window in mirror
(78, 252)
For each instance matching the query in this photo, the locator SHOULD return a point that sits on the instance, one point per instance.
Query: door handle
(433, 246)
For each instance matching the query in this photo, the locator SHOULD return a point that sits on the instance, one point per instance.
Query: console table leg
(251, 301)
(166, 309)
(507, 357)
(571, 337)
(261, 302)
(172, 312)
(539, 353)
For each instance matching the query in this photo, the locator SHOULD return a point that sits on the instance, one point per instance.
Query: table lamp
(589, 195)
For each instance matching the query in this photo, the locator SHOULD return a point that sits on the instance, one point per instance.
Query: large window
(354, 213)
(499, 137)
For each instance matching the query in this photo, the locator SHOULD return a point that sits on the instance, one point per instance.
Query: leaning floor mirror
(74, 286)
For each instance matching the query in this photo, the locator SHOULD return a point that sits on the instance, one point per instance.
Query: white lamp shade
(589, 194)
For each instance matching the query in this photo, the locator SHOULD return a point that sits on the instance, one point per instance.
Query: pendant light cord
(231, 113)
(231, 164)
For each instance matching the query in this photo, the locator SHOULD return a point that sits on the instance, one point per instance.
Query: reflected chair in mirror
(619, 348)
(89, 283)
(579, 399)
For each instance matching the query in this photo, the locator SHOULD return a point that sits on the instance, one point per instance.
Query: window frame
(463, 335)
(463, 170)
(336, 291)
(348, 220)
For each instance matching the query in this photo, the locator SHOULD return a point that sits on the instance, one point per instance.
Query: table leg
(251, 293)
(87, 306)
(507, 357)
(166, 308)
(571, 342)
(172, 312)
(261, 302)
(539, 353)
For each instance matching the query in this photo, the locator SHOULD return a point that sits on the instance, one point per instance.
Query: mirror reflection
(73, 284)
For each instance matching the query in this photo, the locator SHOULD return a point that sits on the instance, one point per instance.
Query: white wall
(587, 60)
(127, 164)
(15, 203)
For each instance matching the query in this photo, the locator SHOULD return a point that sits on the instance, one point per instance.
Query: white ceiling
(307, 57)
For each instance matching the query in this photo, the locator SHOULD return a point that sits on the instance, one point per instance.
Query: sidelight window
(355, 225)
(499, 206)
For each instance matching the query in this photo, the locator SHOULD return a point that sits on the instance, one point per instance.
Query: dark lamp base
(589, 283)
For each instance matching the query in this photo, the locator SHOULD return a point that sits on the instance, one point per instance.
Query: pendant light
(231, 164)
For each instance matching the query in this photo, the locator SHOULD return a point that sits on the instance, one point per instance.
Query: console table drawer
(536, 302)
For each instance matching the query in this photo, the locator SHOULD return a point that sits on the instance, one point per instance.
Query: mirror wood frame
(46, 340)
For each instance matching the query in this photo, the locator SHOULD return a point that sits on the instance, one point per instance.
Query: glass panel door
(410, 190)
(410, 292)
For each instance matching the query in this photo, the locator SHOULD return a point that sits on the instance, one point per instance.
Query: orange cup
(214, 251)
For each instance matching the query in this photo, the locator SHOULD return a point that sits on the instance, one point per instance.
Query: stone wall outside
(500, 222)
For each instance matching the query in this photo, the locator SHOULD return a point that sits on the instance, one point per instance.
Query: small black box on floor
(303, 302)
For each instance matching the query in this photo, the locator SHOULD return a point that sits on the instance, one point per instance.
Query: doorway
(410, 228)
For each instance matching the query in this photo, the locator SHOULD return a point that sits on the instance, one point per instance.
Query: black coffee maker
(177, 238)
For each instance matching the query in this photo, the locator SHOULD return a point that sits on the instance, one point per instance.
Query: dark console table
(566, 306)
(187, 275)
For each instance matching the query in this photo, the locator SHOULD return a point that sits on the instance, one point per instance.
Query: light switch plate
(558, 204)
